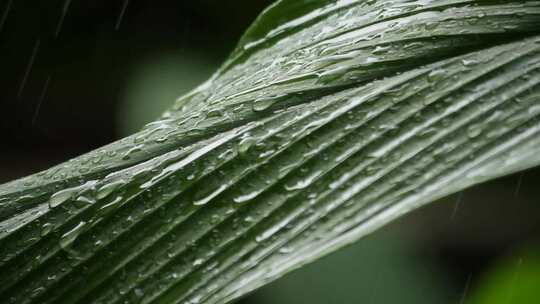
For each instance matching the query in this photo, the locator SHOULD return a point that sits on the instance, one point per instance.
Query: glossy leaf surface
(329, 120)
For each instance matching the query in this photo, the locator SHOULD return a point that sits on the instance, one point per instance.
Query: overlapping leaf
(329, 120)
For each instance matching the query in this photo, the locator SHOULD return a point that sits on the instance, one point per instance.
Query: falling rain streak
(519, 184)
(28, 68)
(40, 100)
(5, 14)
(456, 205)
(121, 16)
(466, 289)
(65, 9)
(511, 288)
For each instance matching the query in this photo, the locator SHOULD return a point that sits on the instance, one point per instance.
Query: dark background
(76, 75)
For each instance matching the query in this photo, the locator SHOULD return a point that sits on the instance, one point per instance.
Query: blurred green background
(79, 74)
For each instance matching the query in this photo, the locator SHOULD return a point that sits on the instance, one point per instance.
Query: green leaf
(512, 280)
(325, 124)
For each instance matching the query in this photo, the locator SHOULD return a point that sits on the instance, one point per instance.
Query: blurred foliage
(380, 269)
(514, 280)
(157, 81)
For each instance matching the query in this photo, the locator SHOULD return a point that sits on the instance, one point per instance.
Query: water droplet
(85, 199)
(46, 229)
(112, 203)
(469, 62)
(285, 250)
(246, 197)
(474, 131)
(379, 50)
(61, 197)
(139, 293)
(436, 75)
(534, 110)
(203, 196)
(262, 104)
(69, 237)
(198, 262)
(245, 144)
(301, 183)
(107, 189)
(162, 139)
(96, 159)
(131, 151)
(214, 113)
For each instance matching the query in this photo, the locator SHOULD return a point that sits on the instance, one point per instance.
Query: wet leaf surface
(330, 119)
